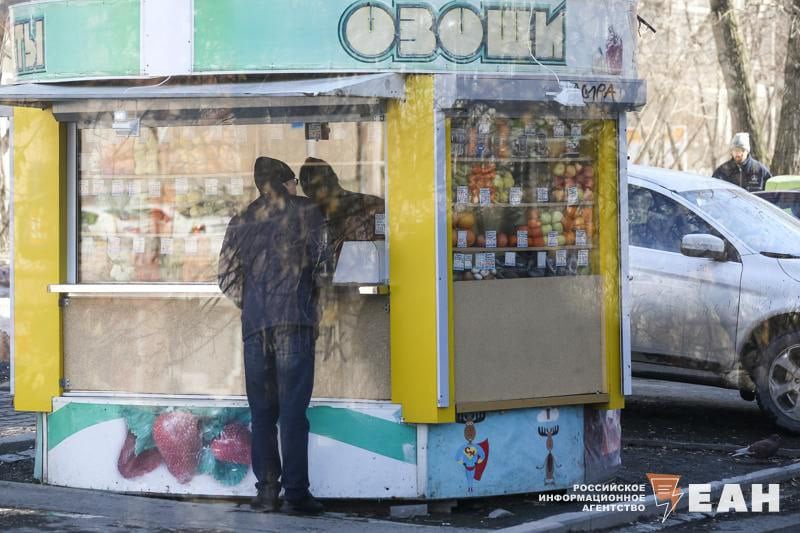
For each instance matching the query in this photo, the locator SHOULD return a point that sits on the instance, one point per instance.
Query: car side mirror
(703, 245)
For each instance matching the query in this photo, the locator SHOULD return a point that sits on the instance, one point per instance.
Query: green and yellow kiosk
(474, 342)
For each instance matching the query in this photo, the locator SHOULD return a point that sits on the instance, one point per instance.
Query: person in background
(741, 169)
(350, 215)
(267, 266)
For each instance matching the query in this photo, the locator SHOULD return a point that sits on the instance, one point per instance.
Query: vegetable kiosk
(473, 337)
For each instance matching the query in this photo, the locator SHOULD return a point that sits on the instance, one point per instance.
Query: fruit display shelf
(506, 160)
(479, 250)
(529, 204)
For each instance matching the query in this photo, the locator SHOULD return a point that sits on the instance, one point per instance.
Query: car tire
(777, 378)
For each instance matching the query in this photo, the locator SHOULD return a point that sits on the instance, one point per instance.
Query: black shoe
(266, 500)
(308, 505)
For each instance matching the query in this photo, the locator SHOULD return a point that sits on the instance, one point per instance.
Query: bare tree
(735, 63)
(786, 159)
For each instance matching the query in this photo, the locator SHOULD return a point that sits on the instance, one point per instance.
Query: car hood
(791, 267)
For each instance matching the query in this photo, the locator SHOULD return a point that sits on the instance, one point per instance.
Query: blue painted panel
(507, 453)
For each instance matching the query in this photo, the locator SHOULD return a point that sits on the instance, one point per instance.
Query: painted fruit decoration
(131, 465)
(233, 444)
(188, 442)
(177, 437)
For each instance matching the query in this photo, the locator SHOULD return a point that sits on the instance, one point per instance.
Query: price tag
(117, 188)
(541, 259)
(522, 238)
(113, 247)
(212, 186)
(485, 196)
(489, 262)
(87, 245)
(98, 187)
(572, 195)
(515, 196)
(480, 261)
(134, 188)
(138, 245)
(380, 224)
(166, 246)
(462, 239)
(580, 237)
(583, 257)
(462, 194)
(575, 130)
(542, 194)
(561, 258)
(181, 186)
(236, 186)
(552, 239)
(154, 189)
(511, 259)
(468, 262)
(190, 246)
(491, 239)
(559, 129)
(458, 262)
(85, 190)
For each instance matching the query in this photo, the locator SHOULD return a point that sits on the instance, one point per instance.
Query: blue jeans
(279, 376)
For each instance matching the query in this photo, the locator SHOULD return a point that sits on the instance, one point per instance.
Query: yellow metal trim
(39, 257)
(608, 201)
(412, 253)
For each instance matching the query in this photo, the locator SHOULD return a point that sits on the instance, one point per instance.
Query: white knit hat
(741, 140)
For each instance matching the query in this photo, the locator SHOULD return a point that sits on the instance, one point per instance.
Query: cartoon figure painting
(550, 464)
(472, 457)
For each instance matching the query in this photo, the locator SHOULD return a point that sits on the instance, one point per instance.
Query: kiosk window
(154, 207)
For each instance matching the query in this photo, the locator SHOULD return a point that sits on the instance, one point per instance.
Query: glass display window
(153, 206)
(524, 189)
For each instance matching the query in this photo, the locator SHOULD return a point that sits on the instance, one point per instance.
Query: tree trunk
(735, 65)
(786, 159)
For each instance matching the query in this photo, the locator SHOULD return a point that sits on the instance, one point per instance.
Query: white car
(715, 288)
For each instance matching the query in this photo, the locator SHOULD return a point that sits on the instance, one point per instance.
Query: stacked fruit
(572, 175)
(482, 176)
(502, 183)
(578, 219)
(464, 221)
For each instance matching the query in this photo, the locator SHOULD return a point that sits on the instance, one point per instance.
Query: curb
(594, 520)
(790, 453)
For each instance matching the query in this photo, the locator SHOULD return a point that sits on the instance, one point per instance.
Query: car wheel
(777, 380)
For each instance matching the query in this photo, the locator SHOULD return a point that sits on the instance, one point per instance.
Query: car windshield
(759, 224)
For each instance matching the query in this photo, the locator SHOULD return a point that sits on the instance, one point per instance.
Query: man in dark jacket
(741, 169)
(267, 265)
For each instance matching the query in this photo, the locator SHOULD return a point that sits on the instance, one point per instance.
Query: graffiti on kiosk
(460, 32)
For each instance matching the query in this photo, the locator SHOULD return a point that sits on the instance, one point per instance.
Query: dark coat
(751, 175)
(268, 263)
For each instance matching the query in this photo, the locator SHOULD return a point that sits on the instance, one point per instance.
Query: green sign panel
(76, 39)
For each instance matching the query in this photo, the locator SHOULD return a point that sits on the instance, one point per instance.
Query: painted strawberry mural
(131, 465)
(177, 437)
(233, 444)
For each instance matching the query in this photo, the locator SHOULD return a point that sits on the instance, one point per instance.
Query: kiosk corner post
(412, 254)
(39, 256)
(610, 262)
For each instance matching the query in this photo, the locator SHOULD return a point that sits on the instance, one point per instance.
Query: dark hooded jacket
(751, 175)
(269, 259)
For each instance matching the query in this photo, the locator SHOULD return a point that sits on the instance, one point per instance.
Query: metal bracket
(64, 383)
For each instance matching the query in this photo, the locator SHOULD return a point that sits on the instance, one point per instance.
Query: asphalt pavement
(680, 429)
